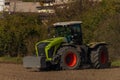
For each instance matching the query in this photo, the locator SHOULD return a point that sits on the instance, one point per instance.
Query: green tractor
(67, 51)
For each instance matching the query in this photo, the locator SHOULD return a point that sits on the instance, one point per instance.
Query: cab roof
(67, 23)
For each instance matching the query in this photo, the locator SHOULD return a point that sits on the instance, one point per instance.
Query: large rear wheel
(100, 58)
(70, 58)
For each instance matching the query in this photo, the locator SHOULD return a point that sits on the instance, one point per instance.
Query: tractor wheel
(70, 58)
(99, 57)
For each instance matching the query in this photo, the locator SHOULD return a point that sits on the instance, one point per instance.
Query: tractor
(66, 50)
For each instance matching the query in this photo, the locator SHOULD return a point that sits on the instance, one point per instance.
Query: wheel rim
(103, 57)
(71, 59)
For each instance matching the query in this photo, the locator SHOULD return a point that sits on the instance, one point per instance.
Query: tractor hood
(53, 41)
(46, 45)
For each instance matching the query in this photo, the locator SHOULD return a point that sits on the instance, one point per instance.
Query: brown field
(17, 72)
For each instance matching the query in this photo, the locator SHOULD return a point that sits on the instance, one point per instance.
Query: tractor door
(76, 33)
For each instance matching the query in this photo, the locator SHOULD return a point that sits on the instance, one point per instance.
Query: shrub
(19, 33)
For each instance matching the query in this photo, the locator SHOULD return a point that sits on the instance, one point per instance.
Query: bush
(19, 33)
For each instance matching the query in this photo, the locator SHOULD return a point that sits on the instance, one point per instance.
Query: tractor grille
(41, 48)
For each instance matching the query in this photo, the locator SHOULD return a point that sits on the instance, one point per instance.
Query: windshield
(62, 31)
(68, 30)
(65, 30)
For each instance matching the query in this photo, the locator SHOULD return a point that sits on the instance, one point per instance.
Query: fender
(96, 44)
(68, 44)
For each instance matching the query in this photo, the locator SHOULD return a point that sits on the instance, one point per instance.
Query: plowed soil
(17, 72)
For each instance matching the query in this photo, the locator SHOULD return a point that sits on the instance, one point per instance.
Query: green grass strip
(116, 63)
(7, 59)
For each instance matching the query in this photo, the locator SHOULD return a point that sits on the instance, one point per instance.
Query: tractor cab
(70, 30)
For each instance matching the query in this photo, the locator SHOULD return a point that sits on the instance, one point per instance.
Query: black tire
(70, 58)
(100, 58)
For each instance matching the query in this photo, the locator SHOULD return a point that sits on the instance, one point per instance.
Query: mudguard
(95, 44)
